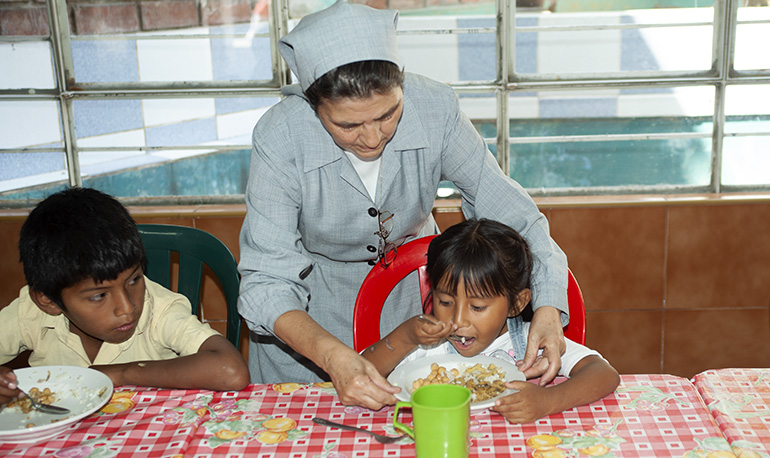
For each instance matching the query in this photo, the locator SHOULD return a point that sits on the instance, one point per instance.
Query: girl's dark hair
(356, 80)
(490, 258)
(77, 234)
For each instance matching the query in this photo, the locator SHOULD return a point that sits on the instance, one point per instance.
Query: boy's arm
(388, 352)
(216, 366)
(591, 379)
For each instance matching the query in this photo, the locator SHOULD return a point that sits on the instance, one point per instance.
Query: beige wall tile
(616, 254)
(165, 220)
(696, 340)
(11, 270)
(719, 256)
(448, 218)
(630, 340)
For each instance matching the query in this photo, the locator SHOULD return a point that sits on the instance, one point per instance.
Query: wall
(672, 284)
(30, 17)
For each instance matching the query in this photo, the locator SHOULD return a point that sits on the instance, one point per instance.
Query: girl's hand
(8, 389)
(428, 330)
(529, 404)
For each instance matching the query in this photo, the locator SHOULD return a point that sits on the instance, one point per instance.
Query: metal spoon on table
(378, 437)
(45, 408)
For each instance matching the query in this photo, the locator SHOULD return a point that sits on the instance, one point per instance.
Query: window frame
(508, 81)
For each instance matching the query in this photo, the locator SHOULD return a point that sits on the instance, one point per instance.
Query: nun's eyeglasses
(385, 248)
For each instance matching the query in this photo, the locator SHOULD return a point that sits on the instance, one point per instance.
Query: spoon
(428, 319)
(45, 408)
(378, 437)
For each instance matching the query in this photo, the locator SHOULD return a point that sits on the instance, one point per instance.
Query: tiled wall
(672, 285)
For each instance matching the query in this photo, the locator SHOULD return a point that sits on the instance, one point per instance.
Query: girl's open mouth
(461, 341)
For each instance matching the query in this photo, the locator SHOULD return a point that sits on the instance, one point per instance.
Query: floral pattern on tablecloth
(739, 401)
(718, 447)
(94, 448)
(120, 401)
(650, 398)
(287, 388)
(228, 420)
(652, 415)
(568, 443)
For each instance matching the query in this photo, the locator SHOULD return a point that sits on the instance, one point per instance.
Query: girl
(481, 274)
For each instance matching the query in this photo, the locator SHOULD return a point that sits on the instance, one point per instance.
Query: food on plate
(485, 382)
(46, 396)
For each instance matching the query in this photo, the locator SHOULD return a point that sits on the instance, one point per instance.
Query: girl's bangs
(479, 277)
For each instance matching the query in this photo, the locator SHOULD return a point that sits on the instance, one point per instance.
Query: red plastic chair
(413, 256)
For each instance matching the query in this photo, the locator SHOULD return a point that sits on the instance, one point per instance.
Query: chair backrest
(195, 248)
(413, 256)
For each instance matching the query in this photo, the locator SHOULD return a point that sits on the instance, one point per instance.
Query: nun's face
(363, 126)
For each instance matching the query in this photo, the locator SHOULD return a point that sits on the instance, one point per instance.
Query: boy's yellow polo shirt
(167, 329)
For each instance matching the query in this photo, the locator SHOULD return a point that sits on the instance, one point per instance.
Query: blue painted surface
(526, 47)
(207, 175)
(103, 61)
(476, 51)
(617, 163)
(231, 62)
(236, 104)
(16, 165)
(182, 133)
(599, 107)
(635, 54)
(99, 117)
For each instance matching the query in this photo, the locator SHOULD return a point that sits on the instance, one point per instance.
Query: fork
(45, 408)
(378, 437)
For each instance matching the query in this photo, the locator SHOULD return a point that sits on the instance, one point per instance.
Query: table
(647, 416)
(739, 400)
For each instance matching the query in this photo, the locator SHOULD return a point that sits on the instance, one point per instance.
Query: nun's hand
(357, 381)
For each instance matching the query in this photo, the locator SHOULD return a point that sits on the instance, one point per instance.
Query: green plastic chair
(195, 248)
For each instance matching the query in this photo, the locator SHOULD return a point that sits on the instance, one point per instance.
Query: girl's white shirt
(502, 348)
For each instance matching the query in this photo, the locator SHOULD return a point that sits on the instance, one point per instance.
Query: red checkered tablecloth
(648, 416)
(739, 400)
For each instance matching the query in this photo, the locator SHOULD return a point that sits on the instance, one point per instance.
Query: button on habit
(371, 248)
(372, 262)
(372, 212)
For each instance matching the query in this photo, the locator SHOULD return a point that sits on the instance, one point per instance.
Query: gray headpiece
(340, 34)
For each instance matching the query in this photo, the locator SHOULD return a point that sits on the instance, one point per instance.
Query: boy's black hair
(77, 234)
(356, 80)
(490, 258)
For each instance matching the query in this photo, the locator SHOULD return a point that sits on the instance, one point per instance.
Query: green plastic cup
(441, 415)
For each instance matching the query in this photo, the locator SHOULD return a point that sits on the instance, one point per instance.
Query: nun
(344, 169)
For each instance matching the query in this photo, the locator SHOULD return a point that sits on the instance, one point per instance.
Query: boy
(87, 303)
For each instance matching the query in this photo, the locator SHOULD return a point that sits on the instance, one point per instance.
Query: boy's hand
(8, 389)
(428, 330)
(529, 404)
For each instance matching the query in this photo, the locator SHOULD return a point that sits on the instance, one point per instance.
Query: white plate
(403, 376)
(82, 390)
